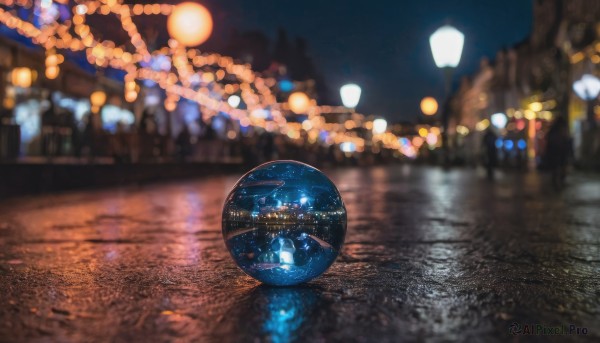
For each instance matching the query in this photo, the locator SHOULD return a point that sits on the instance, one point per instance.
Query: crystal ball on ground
(284, 223)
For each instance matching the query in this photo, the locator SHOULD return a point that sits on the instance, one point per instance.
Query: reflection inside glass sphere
(284, 223)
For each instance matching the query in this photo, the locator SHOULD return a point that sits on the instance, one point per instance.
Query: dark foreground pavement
(429, 255)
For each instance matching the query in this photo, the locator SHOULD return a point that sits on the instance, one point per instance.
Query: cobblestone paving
(429, 255)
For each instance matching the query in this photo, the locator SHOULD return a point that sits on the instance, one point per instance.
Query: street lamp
(499, 120)
(234, 101)
(429, 106)
(379, 126)
(190, 23)
(446, 46)
(350, 94)
(587, 88)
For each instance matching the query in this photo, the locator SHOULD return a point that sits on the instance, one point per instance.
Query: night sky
(381, 45)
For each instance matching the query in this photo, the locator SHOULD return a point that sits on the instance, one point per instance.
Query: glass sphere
(284, 223)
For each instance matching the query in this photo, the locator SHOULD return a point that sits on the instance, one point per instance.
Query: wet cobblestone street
(428, 255)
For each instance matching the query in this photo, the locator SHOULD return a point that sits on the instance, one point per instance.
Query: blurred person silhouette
(89, 132)
(558, 151)
(184, 143)
(490, 151)
(49, 125)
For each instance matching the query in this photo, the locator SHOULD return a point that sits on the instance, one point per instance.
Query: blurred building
(532, 81)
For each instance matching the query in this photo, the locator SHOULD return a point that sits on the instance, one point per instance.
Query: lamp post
(588, 88)
(446, 46)
(350, 94)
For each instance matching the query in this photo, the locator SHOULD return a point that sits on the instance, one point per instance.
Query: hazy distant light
(234, 101)
(508, 144)
(286, 85)
(299, 102)
(587, 88)
(190, 23)
(348, 147)
(350, 94)
(431, 139)
(536, 106)
(446, 46)
(259, 113)
(81, 9)
(379, 126)
(499, 143)
(417, 141)
(521, 144)
(499, 120)
(429, 106)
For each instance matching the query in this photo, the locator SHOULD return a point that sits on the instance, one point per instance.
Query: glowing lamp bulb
(234, 101)
(350, 94)
(98, 99)
(299, 102)
(22, 77)
(190, 24)
(52, 72)
(429, 106)
(499, 120)
(379, 126)
(447, 45)
(588, 87)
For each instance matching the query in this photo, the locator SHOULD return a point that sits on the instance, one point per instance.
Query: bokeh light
(299, 102)
(190, 24)
(429, 106)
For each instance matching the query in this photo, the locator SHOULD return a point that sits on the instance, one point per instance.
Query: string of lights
(181, 71)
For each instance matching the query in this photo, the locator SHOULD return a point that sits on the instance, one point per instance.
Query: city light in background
(414, 141)
(179, 70)
(299, 102)
(350, 94)
(499, 120)
(447, 45)
(588, 87)
(190, 23)
(239, 101)
(429, 106)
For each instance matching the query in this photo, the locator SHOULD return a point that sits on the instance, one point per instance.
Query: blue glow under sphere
(284, 223)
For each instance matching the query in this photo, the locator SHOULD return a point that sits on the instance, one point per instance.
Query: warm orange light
(190, 24)
(130, 96)
(299, 102)
(52, 72)
(429, 106)
(22, 77)
(536, 106)
(170, 105)
(417, 141)
(97, 99)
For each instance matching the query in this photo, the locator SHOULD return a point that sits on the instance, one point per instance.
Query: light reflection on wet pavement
(428, 254)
